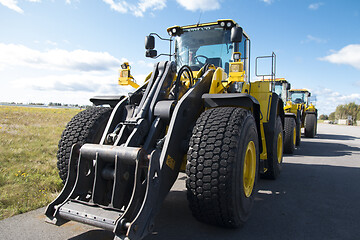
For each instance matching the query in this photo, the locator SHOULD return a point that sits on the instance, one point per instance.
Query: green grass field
(28, 143)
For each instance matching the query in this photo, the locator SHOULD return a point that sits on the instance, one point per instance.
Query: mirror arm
(166, 39)
(164, 54)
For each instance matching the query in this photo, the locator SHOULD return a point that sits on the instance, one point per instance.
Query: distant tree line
(67, 105)
(51, 104)
(343, 111)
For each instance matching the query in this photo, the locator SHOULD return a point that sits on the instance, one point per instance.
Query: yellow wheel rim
(279, 147)
(294, 137)
(249, 169)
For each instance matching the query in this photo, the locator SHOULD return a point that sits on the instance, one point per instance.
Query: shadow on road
(324, 149)
(306, 202)
(335, 137)
(97, 234)
(310, 202)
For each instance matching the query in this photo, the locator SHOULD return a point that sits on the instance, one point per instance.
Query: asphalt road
(316, 197)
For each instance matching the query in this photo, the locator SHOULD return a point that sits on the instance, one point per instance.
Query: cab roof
(299, 90)
(282, 80)
(218, 22)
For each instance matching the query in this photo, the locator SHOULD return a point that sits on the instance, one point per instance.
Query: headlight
(236, 56)
(222, 24)
(236, 68)
(124, 74)
(228, 24)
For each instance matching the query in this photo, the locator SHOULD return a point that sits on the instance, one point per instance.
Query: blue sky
(70, 50)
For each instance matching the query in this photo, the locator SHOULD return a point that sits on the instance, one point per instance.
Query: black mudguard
(276, 109)
(243, 100)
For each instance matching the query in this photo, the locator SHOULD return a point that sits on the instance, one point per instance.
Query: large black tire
(290, 135)
(315, 124)
(219, 190)
(85, 127)
(275, 155)
(298, 130)
(310, 125)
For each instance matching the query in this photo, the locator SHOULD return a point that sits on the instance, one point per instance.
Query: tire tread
(81, 129)
(211, 159)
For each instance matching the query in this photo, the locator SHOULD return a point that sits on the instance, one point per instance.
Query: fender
(236, 100)
(276, 109)
(111, 100)
(280, 108)
(292, 115)
(311, 112)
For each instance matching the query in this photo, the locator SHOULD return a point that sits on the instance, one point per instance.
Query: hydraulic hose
(183, 69)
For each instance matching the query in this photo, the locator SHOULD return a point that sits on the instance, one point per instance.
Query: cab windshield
(211, 44)
(278, 89)
(298, 97)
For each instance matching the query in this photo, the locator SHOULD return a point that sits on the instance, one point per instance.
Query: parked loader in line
(301, 99)
(292, 121)
(198, 114)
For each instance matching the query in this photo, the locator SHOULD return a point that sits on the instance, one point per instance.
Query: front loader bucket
(89, 197)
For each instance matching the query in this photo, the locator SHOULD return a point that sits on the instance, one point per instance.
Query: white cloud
(67, 88)
(78, 60)
(327, 99)
(153, 5)
(58, 75)
(75, 88)
(349, 55)
(315, 6)
(267, 1)
(119, 6)
(310, 38)
(12, 4)
(49, 42)
(145, 64)
(202, 5)
(137, 9)
(83, 82)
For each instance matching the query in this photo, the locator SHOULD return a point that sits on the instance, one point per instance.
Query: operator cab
(281, 88)
(197, 46)
(300, 96)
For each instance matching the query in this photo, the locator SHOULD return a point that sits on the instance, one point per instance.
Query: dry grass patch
(28, 143)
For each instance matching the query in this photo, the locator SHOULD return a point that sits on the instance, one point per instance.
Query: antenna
(199, 19)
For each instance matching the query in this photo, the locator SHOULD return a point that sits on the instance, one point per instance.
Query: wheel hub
(249, 169)
(294, 136)
(279, 147)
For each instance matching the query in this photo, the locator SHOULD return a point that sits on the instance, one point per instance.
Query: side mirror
(151, 53)
(309, 94)
(288, 86)
(149, 42)
(236, 34)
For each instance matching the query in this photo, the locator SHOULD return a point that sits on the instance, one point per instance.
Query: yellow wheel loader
(300, 98)
(198, 114)
(292, 121)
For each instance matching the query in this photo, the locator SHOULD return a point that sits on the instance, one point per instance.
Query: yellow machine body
(304, 106)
